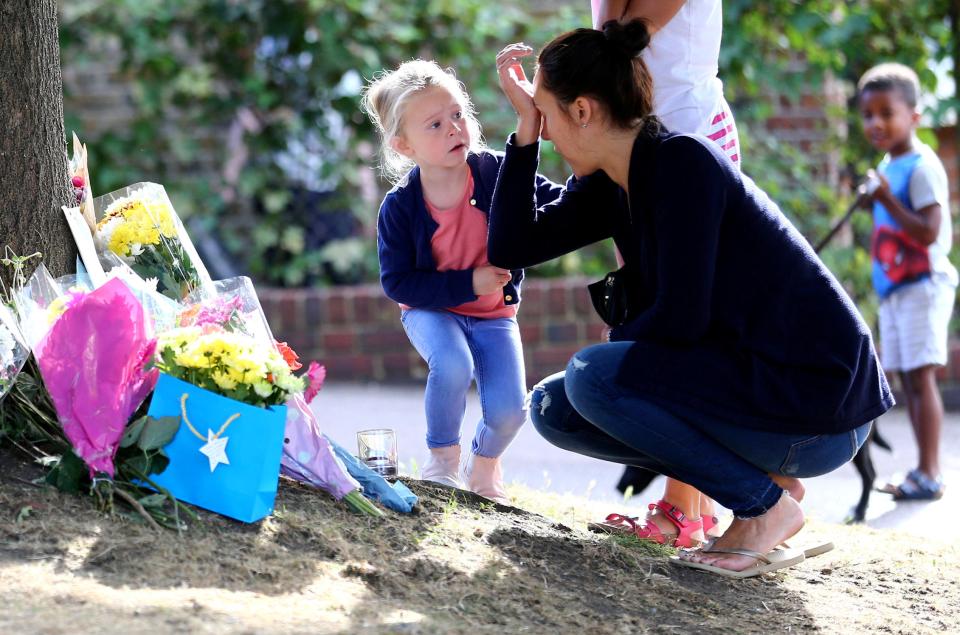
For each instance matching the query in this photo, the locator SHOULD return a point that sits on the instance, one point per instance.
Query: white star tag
(215, 450)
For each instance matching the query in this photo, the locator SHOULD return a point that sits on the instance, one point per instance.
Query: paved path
(344, 409)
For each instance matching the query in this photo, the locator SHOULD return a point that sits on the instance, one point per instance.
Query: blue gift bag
(226, 455)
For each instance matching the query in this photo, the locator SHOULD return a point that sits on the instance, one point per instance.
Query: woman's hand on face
(487, 279)
(519, 90)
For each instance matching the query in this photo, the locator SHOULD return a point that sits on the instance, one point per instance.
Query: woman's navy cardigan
(408, 271)
(739, 318)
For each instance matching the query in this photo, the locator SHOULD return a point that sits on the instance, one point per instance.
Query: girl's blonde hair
(385, 99)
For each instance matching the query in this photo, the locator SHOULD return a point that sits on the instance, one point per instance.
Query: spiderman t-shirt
(918, 180)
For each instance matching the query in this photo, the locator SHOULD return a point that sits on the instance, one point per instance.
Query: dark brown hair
(892, 77)
(605, 65)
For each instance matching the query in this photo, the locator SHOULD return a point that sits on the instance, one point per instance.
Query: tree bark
(34, 179)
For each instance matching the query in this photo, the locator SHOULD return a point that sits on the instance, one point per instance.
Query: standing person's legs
(440, 339)
(927, 416)
(501, 384)
(915, 320)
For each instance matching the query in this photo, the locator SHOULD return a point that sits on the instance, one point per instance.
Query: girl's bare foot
(791, 484)
(709, 508)
(760, 534)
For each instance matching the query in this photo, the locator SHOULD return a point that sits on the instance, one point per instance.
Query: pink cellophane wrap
(308, 457)
(92, 362)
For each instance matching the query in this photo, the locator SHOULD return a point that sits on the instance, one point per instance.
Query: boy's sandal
(627, 525)
(917, 486)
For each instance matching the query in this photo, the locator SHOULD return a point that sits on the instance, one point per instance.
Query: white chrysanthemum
(8, 346)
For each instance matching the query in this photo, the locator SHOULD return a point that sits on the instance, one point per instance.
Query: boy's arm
(923, 225)
(657, 13)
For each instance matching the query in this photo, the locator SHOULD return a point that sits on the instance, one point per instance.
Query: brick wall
(356, 332)
(947, 149)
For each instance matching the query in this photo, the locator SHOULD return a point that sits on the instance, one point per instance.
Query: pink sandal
(627, 525)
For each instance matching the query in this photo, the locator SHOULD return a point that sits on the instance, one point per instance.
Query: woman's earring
(583, 125)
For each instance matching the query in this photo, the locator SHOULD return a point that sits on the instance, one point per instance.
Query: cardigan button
(508, 297)
(473, 202)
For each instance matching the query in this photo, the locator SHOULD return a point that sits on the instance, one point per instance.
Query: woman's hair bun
(628, 37)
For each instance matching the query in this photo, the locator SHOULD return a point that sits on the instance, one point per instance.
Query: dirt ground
(460, 565)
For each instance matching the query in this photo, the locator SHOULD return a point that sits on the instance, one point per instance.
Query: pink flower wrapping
(92, 362)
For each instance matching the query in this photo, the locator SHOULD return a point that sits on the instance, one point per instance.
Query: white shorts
(913, 325)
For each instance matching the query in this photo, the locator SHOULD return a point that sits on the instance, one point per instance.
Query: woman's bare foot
(760, 534)
(791, 484)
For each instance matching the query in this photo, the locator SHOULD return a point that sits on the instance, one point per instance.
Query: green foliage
(785, 48)
(272, 74)
(282, 71)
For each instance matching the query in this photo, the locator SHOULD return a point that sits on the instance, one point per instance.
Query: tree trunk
(33, 161)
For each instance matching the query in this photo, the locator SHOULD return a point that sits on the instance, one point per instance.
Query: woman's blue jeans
(585, 410)
(458, 349)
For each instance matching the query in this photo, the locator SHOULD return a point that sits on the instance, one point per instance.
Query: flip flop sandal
(809, 552)
(628, 526)
(772, 561)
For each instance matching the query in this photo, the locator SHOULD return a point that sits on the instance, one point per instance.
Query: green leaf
(157, 433)
(132, 433)
(68, 474)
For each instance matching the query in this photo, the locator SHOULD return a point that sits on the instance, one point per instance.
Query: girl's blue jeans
(457, 350)
(585, 410)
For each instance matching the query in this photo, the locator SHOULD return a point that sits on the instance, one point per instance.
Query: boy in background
(912, 275)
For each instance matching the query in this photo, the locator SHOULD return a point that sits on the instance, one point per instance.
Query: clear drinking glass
(378, 449)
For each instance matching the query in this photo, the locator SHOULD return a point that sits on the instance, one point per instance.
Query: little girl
(458, 311)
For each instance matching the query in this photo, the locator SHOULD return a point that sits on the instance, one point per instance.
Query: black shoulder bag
(614, 297)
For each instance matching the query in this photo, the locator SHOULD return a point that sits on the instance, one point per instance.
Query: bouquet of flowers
(138, 224)
(228, 363)
(13, 351)
(308, 454)
(80, 180)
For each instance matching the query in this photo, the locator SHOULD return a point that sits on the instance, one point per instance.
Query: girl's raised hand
(519, 90)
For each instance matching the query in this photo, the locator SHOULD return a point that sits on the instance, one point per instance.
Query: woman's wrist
(528, 131)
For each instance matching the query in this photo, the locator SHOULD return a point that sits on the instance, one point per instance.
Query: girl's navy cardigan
(408, 272)
(739, 318)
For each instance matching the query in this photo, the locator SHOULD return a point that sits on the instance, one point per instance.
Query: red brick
(596, 332)
(366, 305)
(336, 309)
(337, 341)
(397, 366)
(385, 340)
(563, 333)
(581, 301)
(313, 310)
(530, 333)
(355, 367)
(553, 356)
(289, 316)
(953, 361)
(531, 301)
(558, 301)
